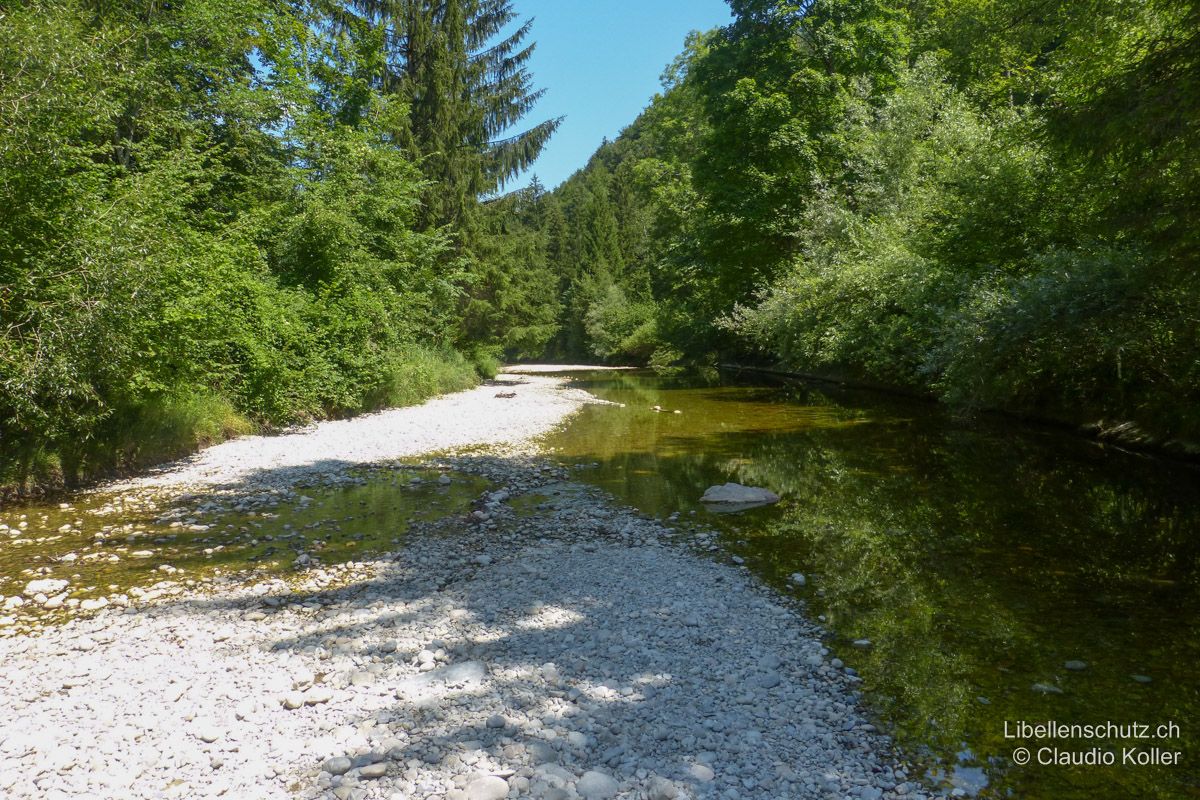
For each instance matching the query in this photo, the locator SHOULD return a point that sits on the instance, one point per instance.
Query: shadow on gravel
(553, 655)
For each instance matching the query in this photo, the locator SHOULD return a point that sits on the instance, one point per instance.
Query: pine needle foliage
(466, 86)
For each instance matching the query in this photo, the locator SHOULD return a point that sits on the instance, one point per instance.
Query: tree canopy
(218, 215)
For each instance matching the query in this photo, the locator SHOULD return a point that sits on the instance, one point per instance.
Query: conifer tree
(601, 235)
(466, 89)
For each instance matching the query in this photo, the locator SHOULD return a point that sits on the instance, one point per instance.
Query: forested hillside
(216, 216)
(993, 202)
(221, 216)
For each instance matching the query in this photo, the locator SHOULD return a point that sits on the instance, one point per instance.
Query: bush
(1083, 332)
(171, 267)
(486, 360)
(949, 258)
(416, 373)
(155, 430)
(936, 197)
(619, 328)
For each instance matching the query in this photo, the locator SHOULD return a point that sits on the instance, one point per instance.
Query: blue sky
(600, 62)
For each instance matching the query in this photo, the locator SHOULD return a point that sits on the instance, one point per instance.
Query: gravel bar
(474, 418)
(549, 644)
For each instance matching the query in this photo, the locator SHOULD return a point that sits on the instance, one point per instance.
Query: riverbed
(310, 621)
(1000, 572)
(926, 579)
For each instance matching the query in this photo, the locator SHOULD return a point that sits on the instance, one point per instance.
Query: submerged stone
(735, 497)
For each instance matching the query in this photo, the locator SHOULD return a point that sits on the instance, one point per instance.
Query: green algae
(108, 545)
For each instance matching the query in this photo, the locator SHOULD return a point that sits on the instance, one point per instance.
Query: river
(977, 557)
(991, 573)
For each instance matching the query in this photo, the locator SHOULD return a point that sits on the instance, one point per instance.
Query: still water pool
(108, 547)
(978, 558)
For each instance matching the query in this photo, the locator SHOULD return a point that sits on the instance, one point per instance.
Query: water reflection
(977, 559)
(105, 545)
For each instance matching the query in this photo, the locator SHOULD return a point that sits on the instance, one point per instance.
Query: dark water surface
(977, 557)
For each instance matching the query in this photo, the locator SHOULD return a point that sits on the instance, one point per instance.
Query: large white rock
(596, 786)
(45, 586)
(489, 787)
(735, 497)
(465, 676)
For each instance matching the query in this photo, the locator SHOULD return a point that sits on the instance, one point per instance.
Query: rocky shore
(547, 643)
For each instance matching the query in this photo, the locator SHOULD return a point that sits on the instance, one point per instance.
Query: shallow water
(976, 557)
(108, 544)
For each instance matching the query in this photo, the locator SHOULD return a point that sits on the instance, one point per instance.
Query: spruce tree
(466, 87)
(601, 234)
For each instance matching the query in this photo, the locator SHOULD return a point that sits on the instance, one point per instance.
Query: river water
(977, 557)
(112, 546)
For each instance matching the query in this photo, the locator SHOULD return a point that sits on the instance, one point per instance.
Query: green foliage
(511, 304)
(416, 372)
(1084, 330)
(466, 83)
(769, 89)
(950, 254)
(209, 219)
(993, 202)
(154, 430)
(486, 360)
(117, 185)
(933, 198)
(620, 329)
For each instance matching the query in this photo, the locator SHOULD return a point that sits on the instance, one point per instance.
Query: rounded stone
(661, 789)
(317, 695)
(541, 753)
(46, 586)
(337, 766)
(597, 786)
(769, 680)
(208, 733)
(489, 787)
(1046, 688)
